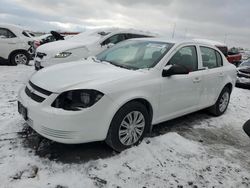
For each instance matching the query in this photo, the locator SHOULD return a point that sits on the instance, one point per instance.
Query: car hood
(79, 75)
(64, 45)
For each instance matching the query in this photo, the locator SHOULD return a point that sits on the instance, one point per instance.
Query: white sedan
(118, 95)
(82, 45)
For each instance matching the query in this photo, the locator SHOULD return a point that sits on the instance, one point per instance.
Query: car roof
(114, 30)
(178, 41)
(211, 42)
(14, 28)
(134, 31)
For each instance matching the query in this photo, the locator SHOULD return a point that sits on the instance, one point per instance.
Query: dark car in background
(243, 74)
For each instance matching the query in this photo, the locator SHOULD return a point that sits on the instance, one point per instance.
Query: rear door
(213, 74)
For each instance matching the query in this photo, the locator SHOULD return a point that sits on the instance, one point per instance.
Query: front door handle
(196, 79)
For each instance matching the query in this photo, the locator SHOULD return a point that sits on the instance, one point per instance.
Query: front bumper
(243, 79)
(70, 127)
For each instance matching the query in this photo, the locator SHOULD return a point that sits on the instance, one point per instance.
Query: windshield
(135, 54)
(245, 63)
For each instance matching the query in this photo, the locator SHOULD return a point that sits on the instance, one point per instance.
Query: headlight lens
(76, 100)
(63, 54)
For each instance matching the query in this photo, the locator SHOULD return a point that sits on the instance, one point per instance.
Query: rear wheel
(222, 102)
(128, 126)
(19, 58)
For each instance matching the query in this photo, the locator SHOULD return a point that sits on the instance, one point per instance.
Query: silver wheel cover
(224, 102)
(131, 128)
(21, 59)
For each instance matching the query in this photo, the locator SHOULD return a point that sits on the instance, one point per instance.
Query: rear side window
(219, 59)
(187, 57)
(130, 36)
(5, 33)
(25, 34)
(210, 58)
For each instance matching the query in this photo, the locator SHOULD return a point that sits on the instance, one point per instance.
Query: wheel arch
(144, 102)
(229, 85)
(18, 50)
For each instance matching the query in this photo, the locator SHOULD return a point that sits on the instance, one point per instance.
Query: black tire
(113, 134)
(14, 58)
(215, 109)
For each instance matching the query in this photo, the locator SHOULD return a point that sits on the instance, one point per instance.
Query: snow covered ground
(197, 150)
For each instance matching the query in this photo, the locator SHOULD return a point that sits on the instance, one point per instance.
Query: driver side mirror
(174, 70)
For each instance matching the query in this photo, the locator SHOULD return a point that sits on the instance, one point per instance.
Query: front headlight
(76, 100)
(63, 54)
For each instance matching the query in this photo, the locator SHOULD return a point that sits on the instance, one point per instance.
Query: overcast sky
(223, 20)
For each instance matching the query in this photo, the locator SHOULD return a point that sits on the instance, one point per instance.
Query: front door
(181, 94)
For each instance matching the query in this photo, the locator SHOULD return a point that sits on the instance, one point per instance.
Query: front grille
(241, 74)
(36, 93)
(34, 96)
(43, 91)
(40, 55)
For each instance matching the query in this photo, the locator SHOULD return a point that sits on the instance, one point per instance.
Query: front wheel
(128, 126)
(222, 103)
(19, 58)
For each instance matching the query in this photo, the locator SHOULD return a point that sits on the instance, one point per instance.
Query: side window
(25, 34)
(210, 58)
(5, 33)
(114, 39)
(187, 57)
(130, 36)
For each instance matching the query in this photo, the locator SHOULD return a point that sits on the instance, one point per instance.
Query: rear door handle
(196, 80)
(11, 43)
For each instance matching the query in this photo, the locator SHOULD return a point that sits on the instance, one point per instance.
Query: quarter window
(5, 33)
(187, 57)
(210, 58)
(130, 36)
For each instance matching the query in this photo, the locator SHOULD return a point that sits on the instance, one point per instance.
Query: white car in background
(121, 93)
(83, 45)
(15, 45)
